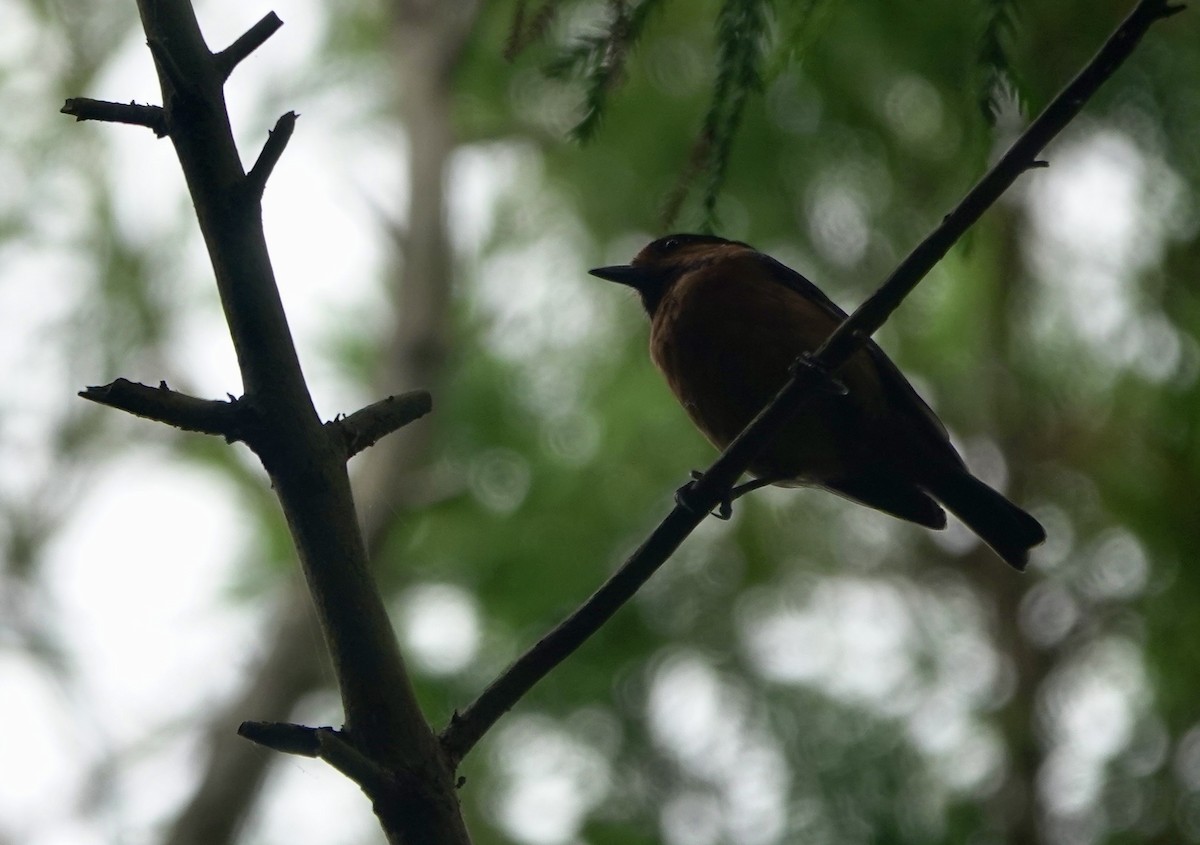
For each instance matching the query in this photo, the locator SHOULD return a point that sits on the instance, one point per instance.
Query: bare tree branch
(207, 416)
(708, 491)
(247, 43)
(366, 426)
(325, 743)
(388, 485)
(284, 737)
(306, 467)
(152, 117)
(272, 151)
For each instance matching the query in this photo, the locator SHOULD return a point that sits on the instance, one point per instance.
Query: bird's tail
(1010, 531)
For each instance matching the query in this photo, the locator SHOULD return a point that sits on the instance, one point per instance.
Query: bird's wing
(789, 278)
(902, 394)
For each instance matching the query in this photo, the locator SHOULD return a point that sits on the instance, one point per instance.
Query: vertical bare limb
(428, 40)
(305, 460)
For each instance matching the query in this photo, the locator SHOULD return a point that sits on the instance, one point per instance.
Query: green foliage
(741, 30)
(598, 60)
(998, 81)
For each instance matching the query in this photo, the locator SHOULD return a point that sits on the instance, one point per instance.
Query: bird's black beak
(649, 282)
(625, 274)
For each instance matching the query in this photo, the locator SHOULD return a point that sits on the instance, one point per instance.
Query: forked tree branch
(416, 801)
(708, 491)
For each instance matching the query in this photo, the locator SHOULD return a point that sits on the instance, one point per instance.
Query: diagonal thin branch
(135, 114)
(702, 495)
(366, 426)
(247, 43)
(1022, 156)
(207, 416)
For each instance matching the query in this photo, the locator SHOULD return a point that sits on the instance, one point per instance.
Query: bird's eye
(670, 245)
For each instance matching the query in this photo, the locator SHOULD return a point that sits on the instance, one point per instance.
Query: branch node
(272, 151)
(247, 43)
(367, 426)
(153, 118)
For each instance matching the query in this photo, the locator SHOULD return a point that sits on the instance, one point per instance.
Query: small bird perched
(727, 322)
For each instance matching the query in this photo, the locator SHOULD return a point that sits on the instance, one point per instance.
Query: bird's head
(660, 264)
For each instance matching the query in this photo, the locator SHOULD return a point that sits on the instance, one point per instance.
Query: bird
(727, 323)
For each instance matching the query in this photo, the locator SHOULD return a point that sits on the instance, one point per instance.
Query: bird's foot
(684, 498)
(825, 378)
(724, 508)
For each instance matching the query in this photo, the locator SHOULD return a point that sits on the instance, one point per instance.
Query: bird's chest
(726, 350)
